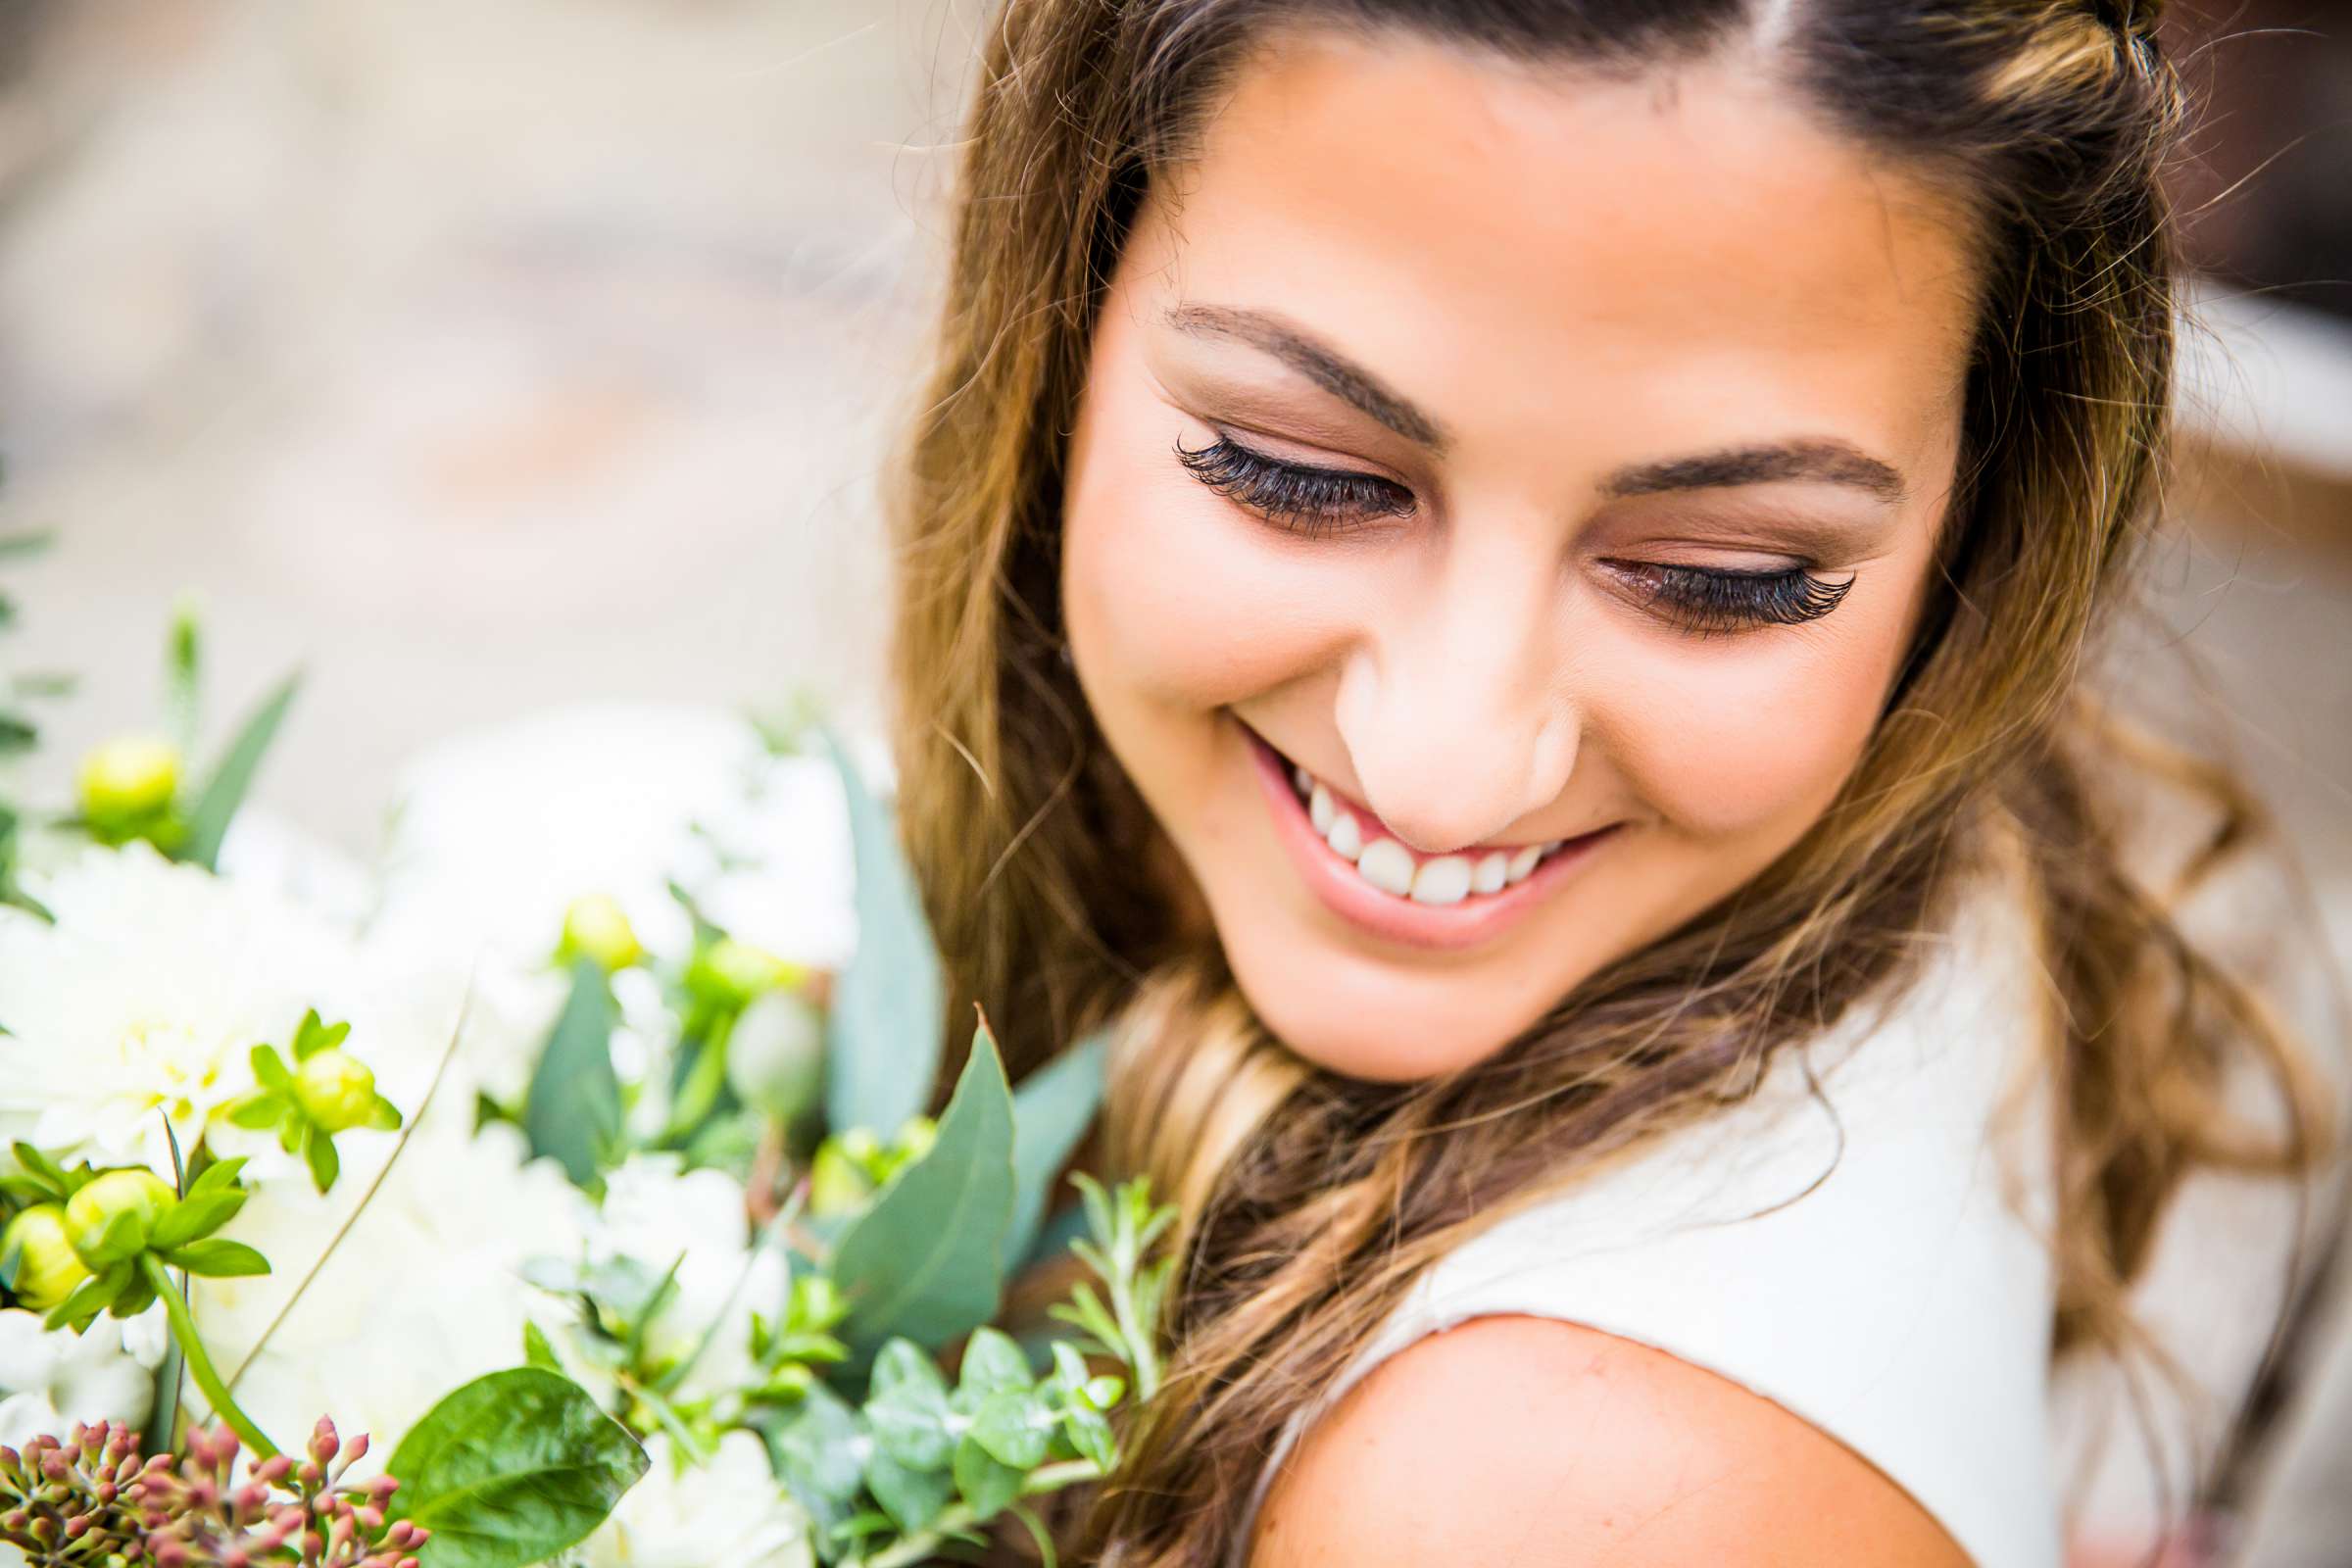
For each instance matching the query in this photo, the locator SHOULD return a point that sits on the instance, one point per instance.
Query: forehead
(1492, 239)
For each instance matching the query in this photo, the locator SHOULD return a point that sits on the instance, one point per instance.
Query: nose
(1455, 712)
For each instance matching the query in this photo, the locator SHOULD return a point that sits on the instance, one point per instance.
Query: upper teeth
(1395, 869)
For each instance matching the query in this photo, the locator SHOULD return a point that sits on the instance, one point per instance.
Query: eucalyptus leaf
(1050, 1111)
(884, 1029)
(511, 1469)
(216, 804)
(926, 1258)
(572, 1110)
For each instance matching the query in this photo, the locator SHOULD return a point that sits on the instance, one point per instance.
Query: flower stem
(200, 1365)
(918, 1548)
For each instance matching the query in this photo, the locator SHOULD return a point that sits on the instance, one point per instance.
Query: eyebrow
(1822, 461)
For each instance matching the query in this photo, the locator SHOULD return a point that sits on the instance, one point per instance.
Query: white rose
(730, 1510)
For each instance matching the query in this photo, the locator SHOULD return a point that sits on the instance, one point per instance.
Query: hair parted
(1312, 1201)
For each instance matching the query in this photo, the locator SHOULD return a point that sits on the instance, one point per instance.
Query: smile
(1349, 857)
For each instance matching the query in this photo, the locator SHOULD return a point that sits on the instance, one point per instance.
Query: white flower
(147, 995)
(54, 1379)
(730, 1510)
(658, 1212)
(424, 1294)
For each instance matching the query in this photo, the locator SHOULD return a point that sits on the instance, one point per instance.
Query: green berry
(47, 1266)
(776, 1054)
(99, 1207)
(335, 1090)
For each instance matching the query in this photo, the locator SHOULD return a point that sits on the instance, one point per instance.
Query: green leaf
(318, 1153)
(1016, 1425)
(313, 1036)
(41, 1166)
(257, 1110)
(912, 1497)
(572, 1110)
(216, 804)
(18, 734)
(884, 1029)
(194, 1216)
(1091, 1436)
(221, 1175)
(536, 1350)
(818, 1451)
(183, 678)
(907, 1409)
(926, 1260)
(89, 1297)
(992, 1363)
(1050, 1111)
(511, 1469)
(989, 1485)
(271, 1069)
(14, 546)
(219, 1259)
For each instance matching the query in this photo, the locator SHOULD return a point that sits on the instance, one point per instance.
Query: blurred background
(486, 355)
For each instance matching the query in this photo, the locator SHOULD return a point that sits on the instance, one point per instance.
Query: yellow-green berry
(335, 1090)
(127, 781)
(598, 929)
(95, 1209)
(47, 1267)
(729, 974)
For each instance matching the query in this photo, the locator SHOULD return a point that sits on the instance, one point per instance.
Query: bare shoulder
(1533, 1443)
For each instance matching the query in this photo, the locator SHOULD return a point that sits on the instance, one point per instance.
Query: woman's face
(1498, 509)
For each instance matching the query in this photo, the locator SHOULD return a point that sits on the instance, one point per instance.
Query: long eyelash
(1704, 600)
(1305, 500)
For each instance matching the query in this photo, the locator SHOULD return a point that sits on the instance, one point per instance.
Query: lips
(1443, 902)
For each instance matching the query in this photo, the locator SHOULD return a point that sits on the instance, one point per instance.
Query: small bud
(130, 1190)
(816, 1304)
(837, 1180)
(127, 782)
(776, 1056)
(335, 1090)
(598, 929)
(1101, 1392)
(324, 1445)
(914, 1139)
(47, 1267)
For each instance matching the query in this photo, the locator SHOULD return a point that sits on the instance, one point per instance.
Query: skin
(1570, 279)
(1582, 1449)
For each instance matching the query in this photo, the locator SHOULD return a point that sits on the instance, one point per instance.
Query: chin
(1360, 1018)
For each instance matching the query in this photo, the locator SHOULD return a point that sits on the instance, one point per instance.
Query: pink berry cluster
(93, 1503)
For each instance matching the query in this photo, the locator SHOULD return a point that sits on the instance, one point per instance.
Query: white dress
(1870, 1256)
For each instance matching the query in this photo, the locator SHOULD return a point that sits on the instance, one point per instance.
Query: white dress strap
(1865, 1251)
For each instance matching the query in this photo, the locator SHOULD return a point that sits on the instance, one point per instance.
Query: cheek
(1741, 737)
(1174, 599)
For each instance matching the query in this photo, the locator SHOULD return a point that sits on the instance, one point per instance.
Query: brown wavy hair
(1312, 1202)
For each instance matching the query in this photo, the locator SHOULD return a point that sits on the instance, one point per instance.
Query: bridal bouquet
(629, 1254)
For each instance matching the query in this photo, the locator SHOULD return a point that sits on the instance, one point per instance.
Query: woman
(1500, 583)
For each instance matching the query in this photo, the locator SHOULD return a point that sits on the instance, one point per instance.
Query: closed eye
(1300, 498)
